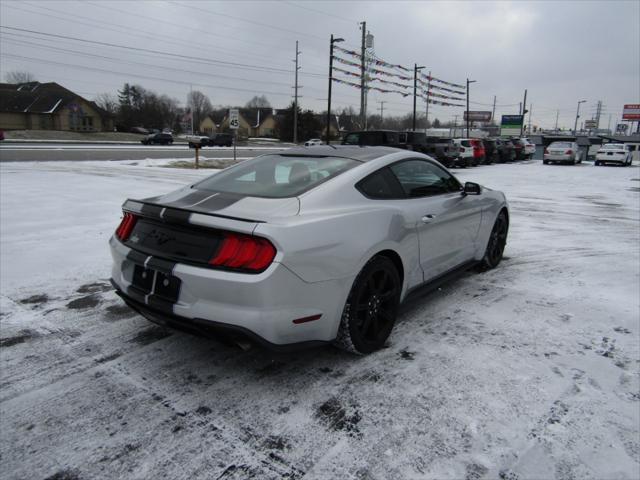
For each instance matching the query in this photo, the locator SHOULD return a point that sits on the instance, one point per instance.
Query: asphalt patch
(118, 312)
(94, 287)
(82, 303)
(65, 475)
(151, 335)
(38, 299)
(22, 337)
(406, 354)
(336, 416)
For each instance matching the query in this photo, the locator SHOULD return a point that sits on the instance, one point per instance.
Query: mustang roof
(363, 154)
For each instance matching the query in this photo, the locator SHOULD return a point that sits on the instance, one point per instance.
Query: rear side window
(380, 185)
(276, 176)
(465, 143)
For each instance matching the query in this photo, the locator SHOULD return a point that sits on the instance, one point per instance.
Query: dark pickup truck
(442, 149)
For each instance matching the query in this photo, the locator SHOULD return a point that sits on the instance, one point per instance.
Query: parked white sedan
(312, 141)
(562, 152)
(617, 153)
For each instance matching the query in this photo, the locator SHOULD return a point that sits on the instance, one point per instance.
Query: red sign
(631, 111)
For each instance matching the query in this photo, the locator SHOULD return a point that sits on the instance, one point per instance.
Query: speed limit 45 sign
(234, 120)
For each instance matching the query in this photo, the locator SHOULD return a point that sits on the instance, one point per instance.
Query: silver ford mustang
(311, 245)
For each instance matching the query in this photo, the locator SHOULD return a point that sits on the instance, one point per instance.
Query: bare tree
(19, 77)
(108, 102)
(258, 101)
(200, 105)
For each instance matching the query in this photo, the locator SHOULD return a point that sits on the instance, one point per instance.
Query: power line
(137, 32)
(149, 77)
(158, 52)
(120, 61)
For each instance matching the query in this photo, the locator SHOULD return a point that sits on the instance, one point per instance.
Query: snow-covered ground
(529, 371)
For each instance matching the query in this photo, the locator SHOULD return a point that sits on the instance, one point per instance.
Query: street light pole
(295, 99)
(333, 40)
(416, 69)
(575, 126)
(468, 82)
(363, 110)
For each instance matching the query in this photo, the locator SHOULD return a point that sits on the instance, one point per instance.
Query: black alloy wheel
(497, 242)
(371, 308)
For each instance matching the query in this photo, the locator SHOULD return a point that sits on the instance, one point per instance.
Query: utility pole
(493, 111)
(530, 110)
(468, 82)
(524, 110)
(416, 69)
(363, 86)
(557, 115)
(295, 99)
(191, 101)
(598, 113)
(426, 119)
(382, 102)
(575, 126)
(332, 41)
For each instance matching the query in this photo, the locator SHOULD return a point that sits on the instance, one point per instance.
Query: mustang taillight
(546, 151)
(568, 152)
(126, 226)
(244, 252)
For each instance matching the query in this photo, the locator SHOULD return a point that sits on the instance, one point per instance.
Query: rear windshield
(560, 145)
(277, 176)
(465, 143)
(614, 146)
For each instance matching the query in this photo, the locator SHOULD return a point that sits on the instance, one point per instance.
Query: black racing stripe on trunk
(206, 201)
(137, 257)
(152, 211)
(219, 202)
(154, 301)
(194, 196)
(164, 266)
(176, 216)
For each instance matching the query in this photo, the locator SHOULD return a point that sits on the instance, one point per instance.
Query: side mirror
(471, 188)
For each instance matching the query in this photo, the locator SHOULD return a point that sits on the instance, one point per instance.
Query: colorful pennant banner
(347, 72)
(434, 94)
(431, 78)
(375, 61)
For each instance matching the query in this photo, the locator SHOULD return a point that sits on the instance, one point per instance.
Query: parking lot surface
(531, 370)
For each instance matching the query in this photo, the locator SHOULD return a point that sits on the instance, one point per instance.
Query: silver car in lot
(562, 152)
(311, 245)
(617, 153)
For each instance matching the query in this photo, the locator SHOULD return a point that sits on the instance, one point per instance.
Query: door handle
(428, 218)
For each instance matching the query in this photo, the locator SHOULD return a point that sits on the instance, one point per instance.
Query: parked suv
(505, 149)
(442, 149)
(518, 146)
(529, 147)
(479, 152)
(387, 138)
(158, 138)
(490, 150)
(465, 152)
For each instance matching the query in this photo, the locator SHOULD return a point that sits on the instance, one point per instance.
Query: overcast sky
(561, 52)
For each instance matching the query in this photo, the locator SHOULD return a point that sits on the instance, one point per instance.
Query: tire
(596, 163)
(496, 244)
(371, 308)
(545, 162)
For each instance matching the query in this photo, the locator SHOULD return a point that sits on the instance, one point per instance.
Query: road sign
(234, 118)
(590, 124)
(476, 116)
(511, 125)
(631, 111)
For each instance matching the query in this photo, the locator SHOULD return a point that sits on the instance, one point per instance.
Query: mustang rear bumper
(260, 306)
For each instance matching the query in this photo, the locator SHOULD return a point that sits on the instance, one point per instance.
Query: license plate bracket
(151, 281)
